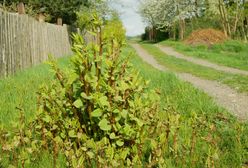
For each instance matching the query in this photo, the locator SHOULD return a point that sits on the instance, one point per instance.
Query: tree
(65, 9)
(176, 15)
(168, 13)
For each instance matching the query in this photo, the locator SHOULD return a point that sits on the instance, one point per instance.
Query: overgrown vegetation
(197, 132)
(19, 91)
(97, 114)
(205, 134)
(100, 112)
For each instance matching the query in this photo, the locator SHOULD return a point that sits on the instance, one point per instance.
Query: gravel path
(236, 103)
(170, 51)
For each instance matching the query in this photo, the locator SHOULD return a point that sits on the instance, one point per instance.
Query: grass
(182, 96)
(237, 82)
(230, 53)
(19, 91)
(186, 100)
(176, 96)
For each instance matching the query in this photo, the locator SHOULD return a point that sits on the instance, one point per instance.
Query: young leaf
(120, 143)
(97, 113)
(104, 125)
(112, 136)
(78, 103)
(90, 154)
(104, 101)
(72, 134)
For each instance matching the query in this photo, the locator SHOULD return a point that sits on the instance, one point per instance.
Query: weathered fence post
(59, 21)
(41, 17)
(21, 8)
(78, 31)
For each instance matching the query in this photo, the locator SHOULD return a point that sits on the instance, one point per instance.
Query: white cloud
(130, 17)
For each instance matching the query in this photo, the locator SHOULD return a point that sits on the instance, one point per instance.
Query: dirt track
(170, 51)
(226, 97)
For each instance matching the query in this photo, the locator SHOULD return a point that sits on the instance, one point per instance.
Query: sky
(130, 17)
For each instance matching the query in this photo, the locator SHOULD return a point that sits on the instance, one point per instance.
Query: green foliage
(65, 9)
(208, 135)
(228, 140)
(19, 91)
(99, 113)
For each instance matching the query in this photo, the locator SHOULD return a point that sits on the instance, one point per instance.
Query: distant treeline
(180, 18)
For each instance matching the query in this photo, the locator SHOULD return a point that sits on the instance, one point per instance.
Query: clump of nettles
(98, 114)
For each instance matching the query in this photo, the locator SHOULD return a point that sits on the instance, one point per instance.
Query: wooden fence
(25, 42)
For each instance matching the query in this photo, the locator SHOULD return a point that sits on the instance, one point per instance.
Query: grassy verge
(19, 91)
(238, 82)
(187, 101)
(177, 98)
(231, 53)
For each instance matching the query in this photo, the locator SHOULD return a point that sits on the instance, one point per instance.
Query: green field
(177, 98)
(238, 82)
(230, 53)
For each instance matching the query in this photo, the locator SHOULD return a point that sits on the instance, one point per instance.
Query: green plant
(97, 114)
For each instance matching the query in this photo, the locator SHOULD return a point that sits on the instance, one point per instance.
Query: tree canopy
(65, 9)
(173, 15)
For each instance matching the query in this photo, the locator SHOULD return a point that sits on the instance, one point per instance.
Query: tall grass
(177, 99)
(229, 137)
(230, 53)
(18, 92)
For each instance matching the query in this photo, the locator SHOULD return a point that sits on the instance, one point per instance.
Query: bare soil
(206, 37)
(234, 102)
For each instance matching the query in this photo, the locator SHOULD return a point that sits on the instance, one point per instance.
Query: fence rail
(25, 42)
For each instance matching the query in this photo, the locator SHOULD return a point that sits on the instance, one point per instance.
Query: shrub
(97, 114)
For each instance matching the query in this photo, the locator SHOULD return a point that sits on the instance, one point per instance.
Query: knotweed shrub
(99, 114)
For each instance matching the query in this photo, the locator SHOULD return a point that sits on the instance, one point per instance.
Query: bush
(98, 114)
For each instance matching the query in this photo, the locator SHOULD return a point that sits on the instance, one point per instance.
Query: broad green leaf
(116, 111)
(81, 160)
(85, 96)
(62, 134)
(78, 103)
(104, 101)
(58, 140)
(84, 148)
(47, 119)
(90, 154)
(72, 134)
(96, 113)
(119, 143)
(124, 114)
(124, 153)
(139, 122)
(109, 63)
(90, 144)
(112, 136)
(104, 125)
(123, 85)
(72, 77)
(153, 144)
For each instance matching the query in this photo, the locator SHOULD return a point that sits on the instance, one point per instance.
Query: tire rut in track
(171, 52)
(234, 102)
